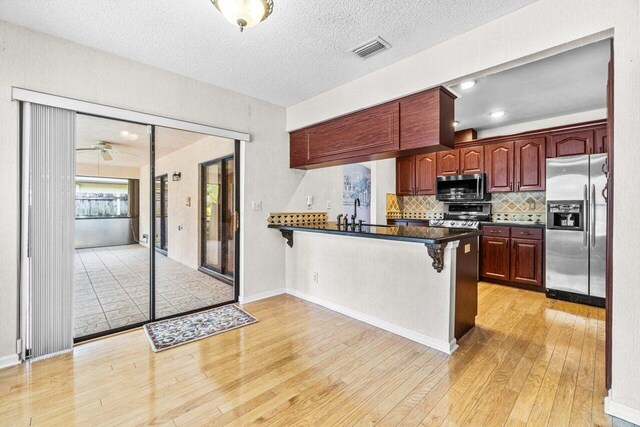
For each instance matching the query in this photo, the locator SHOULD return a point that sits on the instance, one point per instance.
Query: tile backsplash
(505, 207)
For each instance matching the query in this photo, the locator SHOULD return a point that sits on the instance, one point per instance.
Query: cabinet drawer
(492, 230)
(527, 233)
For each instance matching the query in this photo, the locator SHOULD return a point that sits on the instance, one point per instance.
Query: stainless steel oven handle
(592, 229)
(585, 209)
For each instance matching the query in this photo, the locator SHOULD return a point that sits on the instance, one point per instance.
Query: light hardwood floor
(529, 360)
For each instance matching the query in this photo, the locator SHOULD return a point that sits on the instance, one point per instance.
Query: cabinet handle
(525, 234)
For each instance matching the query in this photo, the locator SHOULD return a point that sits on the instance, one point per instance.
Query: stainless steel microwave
(461, 188)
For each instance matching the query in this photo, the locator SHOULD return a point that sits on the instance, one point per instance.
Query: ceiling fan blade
(106, 156)
(85, 149)
(125, 153)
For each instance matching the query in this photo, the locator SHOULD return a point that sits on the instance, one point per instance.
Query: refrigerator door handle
(585, 236)
(592, 229)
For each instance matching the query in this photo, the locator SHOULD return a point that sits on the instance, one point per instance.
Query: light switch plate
(467, 248)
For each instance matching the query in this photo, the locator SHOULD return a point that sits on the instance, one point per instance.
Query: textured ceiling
(571, 82)
(301, 51)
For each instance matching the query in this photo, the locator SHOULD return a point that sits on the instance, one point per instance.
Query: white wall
(325, 185)
(39, 62)
(384, 282)
(385, 183)
(536, 31)
(184, 245)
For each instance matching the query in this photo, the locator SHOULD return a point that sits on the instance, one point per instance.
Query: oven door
(460, 188)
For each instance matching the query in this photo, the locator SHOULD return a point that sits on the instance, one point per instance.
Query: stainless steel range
(463, 215)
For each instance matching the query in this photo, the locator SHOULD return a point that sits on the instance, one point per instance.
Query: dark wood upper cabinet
(601, 140)
(417, 124)
(465, 135)
(298, 149)
(405, 176)
(498, 163)
(530, 164)
(426, 120)
(570, 143)
(472, 160)
(495, 258)
(426, 173)
(448, 163)
(375, 130)
(526, 261)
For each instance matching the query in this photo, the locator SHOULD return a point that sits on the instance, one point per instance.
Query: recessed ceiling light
(497, 114)
(468, 84)
(455, 123)
(129, 135)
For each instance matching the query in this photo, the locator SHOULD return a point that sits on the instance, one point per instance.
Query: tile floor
(111, 288)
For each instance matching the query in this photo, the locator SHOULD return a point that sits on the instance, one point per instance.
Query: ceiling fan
(105, 149)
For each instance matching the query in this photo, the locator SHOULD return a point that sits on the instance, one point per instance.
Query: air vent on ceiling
(371, 47)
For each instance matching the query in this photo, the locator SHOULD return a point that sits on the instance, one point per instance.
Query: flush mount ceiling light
(497, 114)
(244, 13)
(467, 85)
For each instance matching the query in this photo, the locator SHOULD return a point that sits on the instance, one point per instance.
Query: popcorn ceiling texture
(191, 37)
(505, 207)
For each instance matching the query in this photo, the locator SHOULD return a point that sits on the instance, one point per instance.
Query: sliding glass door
(109, 195)
(180, 284)
(218, 217)
(111, 254)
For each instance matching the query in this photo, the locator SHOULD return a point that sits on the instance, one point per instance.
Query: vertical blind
(51, 152)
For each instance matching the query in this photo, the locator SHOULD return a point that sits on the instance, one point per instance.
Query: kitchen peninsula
(418, 282)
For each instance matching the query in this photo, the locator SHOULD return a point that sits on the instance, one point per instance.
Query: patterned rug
(182, 330)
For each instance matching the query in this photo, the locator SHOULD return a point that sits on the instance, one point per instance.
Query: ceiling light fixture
(467, 85)
(130, 136)
(244, 13)
(455, 123)
(497, 114)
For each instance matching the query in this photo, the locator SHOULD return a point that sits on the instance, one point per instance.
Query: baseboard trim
(10, 360)
(263, 295)
(442, 346)
(621, 411)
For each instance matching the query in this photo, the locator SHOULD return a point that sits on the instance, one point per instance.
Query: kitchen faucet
(356, 203)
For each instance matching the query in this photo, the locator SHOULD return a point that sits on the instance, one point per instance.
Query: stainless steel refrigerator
(576, 228)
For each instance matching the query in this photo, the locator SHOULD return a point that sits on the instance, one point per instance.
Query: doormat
(170, 333)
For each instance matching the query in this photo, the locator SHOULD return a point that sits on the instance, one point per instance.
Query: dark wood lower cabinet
(513, 256)
(495, 258)
(526, 261)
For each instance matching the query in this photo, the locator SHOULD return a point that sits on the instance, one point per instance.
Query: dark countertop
(524, 224)
(418, 234)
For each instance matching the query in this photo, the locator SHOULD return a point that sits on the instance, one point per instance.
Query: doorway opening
(162, 215)
(218, 217)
